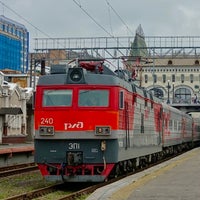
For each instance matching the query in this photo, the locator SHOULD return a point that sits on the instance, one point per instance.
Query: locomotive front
(75, 123)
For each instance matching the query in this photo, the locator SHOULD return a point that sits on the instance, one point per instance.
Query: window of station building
(173, 78)
(191, 78)
(155, 78)
(164, 78)
(182, 78)
(146, 78)
(196, 62)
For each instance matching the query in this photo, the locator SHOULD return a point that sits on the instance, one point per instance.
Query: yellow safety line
(126, 191)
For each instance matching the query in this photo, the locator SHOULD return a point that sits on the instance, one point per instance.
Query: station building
(175, 81)
(174, 78)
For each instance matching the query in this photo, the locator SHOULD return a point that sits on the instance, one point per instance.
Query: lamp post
(168, 86)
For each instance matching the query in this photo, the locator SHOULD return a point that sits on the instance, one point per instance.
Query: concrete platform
(177, 179)
(12, 154)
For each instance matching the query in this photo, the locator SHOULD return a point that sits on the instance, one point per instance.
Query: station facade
(175, 81)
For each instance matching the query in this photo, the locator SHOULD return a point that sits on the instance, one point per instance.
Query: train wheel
(117, 171)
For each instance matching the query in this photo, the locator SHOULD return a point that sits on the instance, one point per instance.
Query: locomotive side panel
(146, 133)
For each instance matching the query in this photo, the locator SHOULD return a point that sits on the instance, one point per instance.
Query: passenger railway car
(92, 123)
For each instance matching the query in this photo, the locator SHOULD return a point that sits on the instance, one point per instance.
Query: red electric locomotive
(92, 123)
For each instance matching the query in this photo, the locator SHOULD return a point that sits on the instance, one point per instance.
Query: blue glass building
(14, 45)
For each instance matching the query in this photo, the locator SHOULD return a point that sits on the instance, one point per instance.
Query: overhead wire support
(79, 5)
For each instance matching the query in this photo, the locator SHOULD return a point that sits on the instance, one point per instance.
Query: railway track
(17, 169)
(44, 191)
(83, 190)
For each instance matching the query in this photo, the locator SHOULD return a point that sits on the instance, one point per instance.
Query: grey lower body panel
(134, 152)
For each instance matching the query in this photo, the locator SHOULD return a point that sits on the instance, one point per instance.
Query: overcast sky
(93, 18)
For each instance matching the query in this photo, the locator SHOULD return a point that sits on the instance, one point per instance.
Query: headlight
(46, 130)
(102, 130)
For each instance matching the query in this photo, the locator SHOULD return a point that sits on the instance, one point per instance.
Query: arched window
(196, 62)
(170, 62)
(182, 95)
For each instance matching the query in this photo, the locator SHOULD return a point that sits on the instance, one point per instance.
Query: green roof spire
(139, 47)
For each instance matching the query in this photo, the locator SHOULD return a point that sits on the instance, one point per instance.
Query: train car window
(179, 126)
(121, 100)
(170, 125)
(91, 98)
(58, 98)
(175, 126)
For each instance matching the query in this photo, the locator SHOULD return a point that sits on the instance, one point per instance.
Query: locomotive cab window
(90, 98)
(57, 98)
